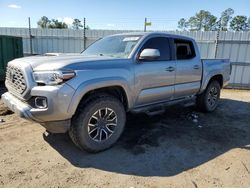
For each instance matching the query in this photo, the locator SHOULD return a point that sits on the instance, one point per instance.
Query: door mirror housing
(150, 54)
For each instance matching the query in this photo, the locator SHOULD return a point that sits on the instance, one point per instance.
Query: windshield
(114, 46)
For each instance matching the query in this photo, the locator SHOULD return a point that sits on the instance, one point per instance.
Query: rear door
(188, 68)
(155, 78)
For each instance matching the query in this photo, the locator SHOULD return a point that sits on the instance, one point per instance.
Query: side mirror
(149, 54)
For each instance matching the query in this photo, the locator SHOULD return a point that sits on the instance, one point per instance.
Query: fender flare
(208, 78)
(98, 83)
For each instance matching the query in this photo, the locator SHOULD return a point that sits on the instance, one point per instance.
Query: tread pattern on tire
(83, 108)
(201, 99)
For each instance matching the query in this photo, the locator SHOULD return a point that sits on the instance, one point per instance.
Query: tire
(208, 100)
(98, 123)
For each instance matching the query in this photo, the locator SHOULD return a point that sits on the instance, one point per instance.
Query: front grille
(15, 79)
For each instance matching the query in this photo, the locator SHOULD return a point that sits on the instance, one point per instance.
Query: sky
(114, 14)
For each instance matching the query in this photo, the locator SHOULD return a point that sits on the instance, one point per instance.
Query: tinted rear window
(184, 49)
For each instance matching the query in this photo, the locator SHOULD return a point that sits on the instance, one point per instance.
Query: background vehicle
(89, 94)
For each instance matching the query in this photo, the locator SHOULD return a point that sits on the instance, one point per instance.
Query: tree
(203, 20)
(239, 23)
(248, 24)
(77, 24)
(226, 16)
(44, 22)
(182, 24)
(55, 24)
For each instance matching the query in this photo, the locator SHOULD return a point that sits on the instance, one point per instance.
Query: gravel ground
(180, 148)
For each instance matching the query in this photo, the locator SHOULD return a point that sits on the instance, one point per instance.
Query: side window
(184, 49)
(160, 43)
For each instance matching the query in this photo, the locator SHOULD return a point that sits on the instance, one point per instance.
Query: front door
(155, 78)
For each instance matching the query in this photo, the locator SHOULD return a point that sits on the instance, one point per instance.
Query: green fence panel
(10, 48)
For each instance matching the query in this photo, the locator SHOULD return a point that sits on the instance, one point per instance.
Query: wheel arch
(117, 88)
(116, 91)
(218, 77)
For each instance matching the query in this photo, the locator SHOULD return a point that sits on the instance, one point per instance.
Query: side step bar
(158, 108)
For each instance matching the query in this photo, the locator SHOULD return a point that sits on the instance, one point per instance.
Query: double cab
(88, 94)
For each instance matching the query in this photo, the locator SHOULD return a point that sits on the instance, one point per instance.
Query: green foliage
(77, 24)
(44, 22)
(182, 24)
(248, 24)
(239, 23)
(55, 24)
(205, 21)
(226, 16)
(202, 20)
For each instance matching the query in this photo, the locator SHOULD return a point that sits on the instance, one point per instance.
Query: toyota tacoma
(89, 94)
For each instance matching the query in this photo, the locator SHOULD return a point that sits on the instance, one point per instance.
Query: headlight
(53, 77)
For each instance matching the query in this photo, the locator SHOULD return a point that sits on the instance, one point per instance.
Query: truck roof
(157, 33)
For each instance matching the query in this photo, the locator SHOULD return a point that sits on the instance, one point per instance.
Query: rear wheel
(208, 100)
(98, 123)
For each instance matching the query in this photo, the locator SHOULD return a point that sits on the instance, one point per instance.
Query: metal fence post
(217, 40)
(30, 36)
(84, 33)
(216, 44)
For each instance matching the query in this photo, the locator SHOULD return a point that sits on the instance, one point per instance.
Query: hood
(55, 61)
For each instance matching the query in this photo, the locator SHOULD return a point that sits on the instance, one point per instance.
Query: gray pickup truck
(88, 94)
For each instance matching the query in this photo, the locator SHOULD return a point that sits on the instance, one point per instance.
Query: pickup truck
(89, 94)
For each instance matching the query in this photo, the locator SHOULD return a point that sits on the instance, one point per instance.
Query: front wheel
(208, 100)
(98, 123)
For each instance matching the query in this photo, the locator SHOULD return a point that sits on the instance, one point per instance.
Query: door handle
(170, 69)
(196, 67)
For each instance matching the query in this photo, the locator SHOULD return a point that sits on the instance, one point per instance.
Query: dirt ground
(180, 148)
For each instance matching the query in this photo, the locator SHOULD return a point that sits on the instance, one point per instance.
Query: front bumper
(17, 106)
(55, 118)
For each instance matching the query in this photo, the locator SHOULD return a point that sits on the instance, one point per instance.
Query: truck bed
(214, 67)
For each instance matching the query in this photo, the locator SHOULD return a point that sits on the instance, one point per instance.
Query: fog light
(41, 102)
